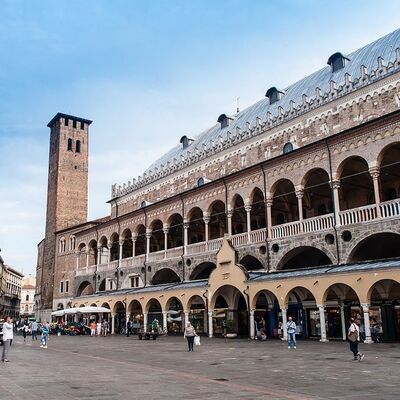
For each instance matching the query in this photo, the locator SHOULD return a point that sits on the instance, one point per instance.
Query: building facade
(11, 291)
(289, 207)
(27, 306)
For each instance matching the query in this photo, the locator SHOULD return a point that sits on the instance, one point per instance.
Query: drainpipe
(333, 203)
(183, 247)
(246, 292)
(226, 204)
(205, 295)
(144, 262)
(266, 222)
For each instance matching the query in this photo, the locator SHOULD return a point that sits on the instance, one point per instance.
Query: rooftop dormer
(337, 61)
(186, 141)
(274, 94)
(224, 120)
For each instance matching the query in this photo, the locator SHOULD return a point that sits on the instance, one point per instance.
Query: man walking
(8, 335)
(128, 327)
(34, 328)
(291, 331)
(105, 327)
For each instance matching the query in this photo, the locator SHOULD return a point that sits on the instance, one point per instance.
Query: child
(44, 336)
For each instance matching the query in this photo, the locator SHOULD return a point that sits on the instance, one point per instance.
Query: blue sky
(146, 73)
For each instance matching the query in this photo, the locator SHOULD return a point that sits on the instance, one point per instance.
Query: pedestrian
(128, 327)
(98, 327)
(353, 335)
(8, 335)
(34, 328)
(105, 327)
(291, 331)
(25, 329)
(189, 334)
(45, 335)
(93, 328)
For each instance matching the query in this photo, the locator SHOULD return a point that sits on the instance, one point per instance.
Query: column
(335, 188)
(98, 257)
(247, 207)
(252, 327)
(367, 325)
(206, 219)
(112, 324)
(375, 178)
(322, 323)
(186, 318)
(121, 247)
(185, 235)
(165, 230)
(210, 323)
(268, 203)
(144, 322)
(205, 320)
(343, 322)
(165, 320)
(109, 245)
(78, 255)
(134, 238)
(284, 323)
(148, 236)
(299, 195)
(87, 258)
(229, 216)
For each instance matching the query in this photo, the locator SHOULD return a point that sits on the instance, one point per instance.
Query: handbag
(353, 336)
(197, 340)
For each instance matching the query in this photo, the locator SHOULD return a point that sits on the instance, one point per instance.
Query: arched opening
(317, 199)
(154, 315)
(218, 222)
(127, 247)
(196, 232)
(356, 186)
(114, 255)
(157, 236)
(120, 317)
(165, 275)
(78, 146)
(257, 213)
(251, 263)
(341, 303)
(140, 244)
(175, 232)
(69, 144)
(305, 313)
(92, 252)
(389, 176)
(285, 205)
(102, 286)
(230, 312)
(106, 316)
(103, 250)
(85, 289)
(136, 315)
(198, 314)
(239, 219)
(385, 310)
(266, 315)
(202, 271)
(82, 255)
(304, 257)
(377, 247)
(175, 316)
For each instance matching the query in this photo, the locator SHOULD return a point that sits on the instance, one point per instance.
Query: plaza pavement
(116, 368)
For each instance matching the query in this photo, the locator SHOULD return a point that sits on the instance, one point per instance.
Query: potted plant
(229, 329)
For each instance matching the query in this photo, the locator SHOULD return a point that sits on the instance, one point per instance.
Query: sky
(146, 73)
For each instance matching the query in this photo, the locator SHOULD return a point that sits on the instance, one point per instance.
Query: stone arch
(92, 252)
(265, 306)
(165, 275)
(102, 286)
(195, 299)
(175, 315)
(85, 289)
(257, 213)
(114, 250)
(389, 164)
(196, 231)
(202, 270)
(127, 246)
(119, 312)
(285, 204)
(376, 246)
(175, 231)
(153, 305)
(251, 263)
(218, 221)
(303, 257)
(103, 250)
(341, 291)
(157, 236)
(239, 219)
(140, 244)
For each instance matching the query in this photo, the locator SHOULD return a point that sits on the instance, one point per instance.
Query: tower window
(66, 286)
(66, 121)
(82, 125)
(74, 123)
(78, 146)
(61, 287)
(69, 144)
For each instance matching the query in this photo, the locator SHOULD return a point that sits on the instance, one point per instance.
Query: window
(74, 123)
(82, 125)
(27, 297)
(134, 281)
(111, 285)
(61, 287)
(200, 182)
(66, 121)
(72, 242)
(287, 148)
(66, 286)
(78, 146)
(62, 245)
(69, 148)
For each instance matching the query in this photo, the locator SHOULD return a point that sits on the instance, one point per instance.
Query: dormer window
(274, 94)
(200, 182)
(289, 146)
(337, 61)
(224, 120)
(186, 142)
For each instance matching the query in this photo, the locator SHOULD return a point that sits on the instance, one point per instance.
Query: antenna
(237, 104)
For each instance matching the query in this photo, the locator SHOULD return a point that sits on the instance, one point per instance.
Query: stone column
(210, 323)
(247, 207)
(121, 245)
(205, 320)
(87, 258)
(98, 257)
(185, 235)
(229, 216)
(343, 322)
(299, 195)
(148, 236)
(284, 323)
(145, 322)
(165, 230)
(252, 328)
(206, 219)
(186, 318)
(375, 178)
(268, 202)
(112, 324)
(367, 325)
(109, 246)
(78, 256)
(134, 238)
(335, 188)
(322, 323)
(165, 321)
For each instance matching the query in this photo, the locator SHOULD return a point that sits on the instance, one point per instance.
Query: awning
(81, 310)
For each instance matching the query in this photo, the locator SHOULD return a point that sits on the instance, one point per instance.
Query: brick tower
(67, 191)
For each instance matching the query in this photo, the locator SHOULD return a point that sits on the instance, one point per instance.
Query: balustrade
(175, 252)
(195, 248)
(390, 209)
(86, 271)
(358, 215)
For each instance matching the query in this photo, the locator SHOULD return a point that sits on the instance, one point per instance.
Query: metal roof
(367, 56)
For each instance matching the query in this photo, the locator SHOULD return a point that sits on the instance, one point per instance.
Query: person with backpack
(353, 336)
(291, 331)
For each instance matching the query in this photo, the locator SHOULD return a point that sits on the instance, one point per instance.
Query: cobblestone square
(117, 367)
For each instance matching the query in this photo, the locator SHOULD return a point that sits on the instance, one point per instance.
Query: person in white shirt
(8, 335)
(354, 338)
(98, 328)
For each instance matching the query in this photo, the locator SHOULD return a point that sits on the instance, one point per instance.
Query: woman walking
(8, 334)
(354, 338)
(189, 334)
(45, 335)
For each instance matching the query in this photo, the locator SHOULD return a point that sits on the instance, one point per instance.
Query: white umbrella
(58, 313)
(91, 310)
